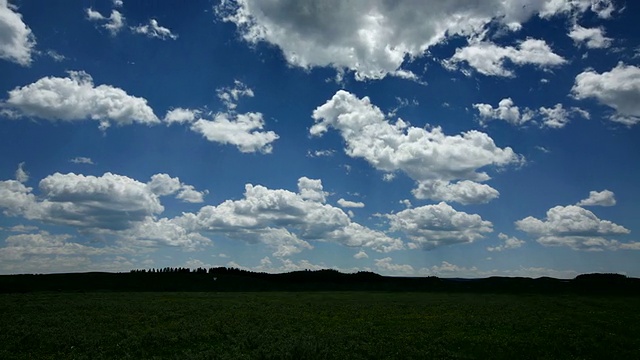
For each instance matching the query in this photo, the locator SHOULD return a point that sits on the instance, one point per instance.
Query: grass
(330, 325)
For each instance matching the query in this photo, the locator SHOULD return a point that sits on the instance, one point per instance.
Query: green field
(328, 325)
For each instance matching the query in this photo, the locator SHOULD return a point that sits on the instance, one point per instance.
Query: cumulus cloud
(114, 23)
(350, 204)
(17, 42)
(154, 30)
(75, 98)
(618, 88)
(599, 198)
(373, 38)
(386, 265)
(506, 111)
(230, 95)
(21, 174)
(110, 201)
(572, 226)
(490, 59)
(188, 193)
(181, 116)
(464, 192)
(361, 255)
(241, 130)
(244, 131)
(163, 185)
(447, 269)
(44, 252)
(286, 221)
(112, 206)
(43, 243)
(555, 117)
(16, 199)
(507, 243)
(425, 155)
(592, 38)
(151, 232)
(431, 226)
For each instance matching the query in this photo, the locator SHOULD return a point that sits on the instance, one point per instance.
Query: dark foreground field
(317, 325)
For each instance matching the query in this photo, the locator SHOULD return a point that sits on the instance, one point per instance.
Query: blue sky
(457, 139)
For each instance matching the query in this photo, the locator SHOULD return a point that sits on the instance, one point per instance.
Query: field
(317, 325)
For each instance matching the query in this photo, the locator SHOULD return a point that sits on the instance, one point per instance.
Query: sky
(414, 138)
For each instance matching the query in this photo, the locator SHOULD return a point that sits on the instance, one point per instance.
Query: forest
(221, 279)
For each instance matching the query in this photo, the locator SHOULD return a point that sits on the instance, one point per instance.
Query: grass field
(340, 325)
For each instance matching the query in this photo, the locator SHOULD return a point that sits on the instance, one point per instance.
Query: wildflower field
(317, 325)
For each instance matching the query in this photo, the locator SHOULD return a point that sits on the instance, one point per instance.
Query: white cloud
(618, 88)
(230, 95)
(181, 116)
(350, 204)
(288, 265)
(593, 38)
(507, 243)
(388, 177)
(114, 23)
(311, 189)
(16, 198)
(550, 8)
(361, 255)
(109, 207)
(431, 226)
(151, 232)
(57, 57)
(17, 42)
(189, 194)
(489, 59)
(374, 37)
(447, 269)
(44, 252)
(21, 175)
(241, 130)
(163, 185)
(602, 8)
(572, 226)
(81, 160)
(286, 221)
(555, 117)
(75, 98)
(599, 198)
(424, 155)
(44, 243)
(23, 228)
(109, 202)
(154, 30)
(464, 192)
(320, 153)
(386, 266)
(506, 111)
(244, 131)
(118, 3)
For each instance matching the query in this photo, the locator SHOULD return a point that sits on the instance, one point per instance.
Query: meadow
(317, 325)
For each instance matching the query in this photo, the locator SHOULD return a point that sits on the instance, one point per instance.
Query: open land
(317, 325)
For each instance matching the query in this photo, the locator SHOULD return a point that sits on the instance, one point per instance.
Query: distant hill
(230, 279)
